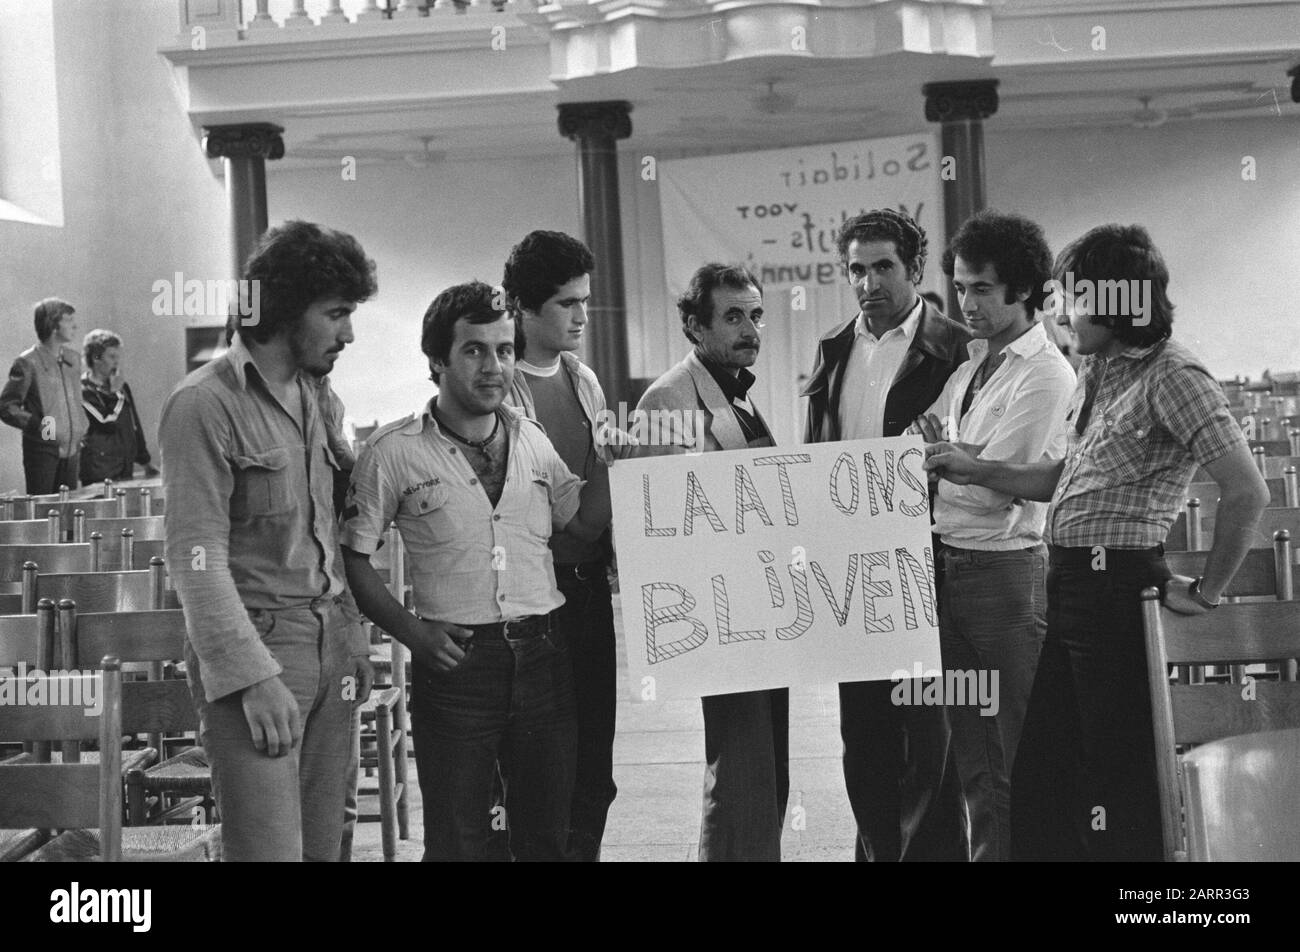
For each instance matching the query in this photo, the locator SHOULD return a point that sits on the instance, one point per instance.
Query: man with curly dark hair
(1010, 398)
(275, 653)
(874, 373)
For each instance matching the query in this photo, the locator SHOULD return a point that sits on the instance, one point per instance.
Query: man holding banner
(1010, 398)
(746, 776)
(873, 375)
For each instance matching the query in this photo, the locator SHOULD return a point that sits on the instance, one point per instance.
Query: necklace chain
(480, 445)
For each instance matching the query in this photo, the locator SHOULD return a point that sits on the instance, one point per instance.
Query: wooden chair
(123, 554)
(1193, 530)
(18, 562)
(152, 637)
(137, 498)
(106, 591)
(1264, 572)
(384, 723)
(80, 797)
(1208, 494)
(29, 532)
(1275, 466)
(67, 512)
(1242, 797)
(1183, 714)
(143, 528)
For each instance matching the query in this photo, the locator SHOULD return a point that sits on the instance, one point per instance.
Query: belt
(530, 626)
(1084, 556)
(582, 571)
(945, 547)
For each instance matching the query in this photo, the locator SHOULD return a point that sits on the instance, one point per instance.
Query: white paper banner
(775, 567)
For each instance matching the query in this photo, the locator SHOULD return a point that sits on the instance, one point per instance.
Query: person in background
(42, 398)
(114, 441)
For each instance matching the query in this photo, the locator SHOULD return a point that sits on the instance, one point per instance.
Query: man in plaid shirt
(1144, 415)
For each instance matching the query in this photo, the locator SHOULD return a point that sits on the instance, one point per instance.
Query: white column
(370, 12)
(408, 9)
(262, 19)
(335, 13)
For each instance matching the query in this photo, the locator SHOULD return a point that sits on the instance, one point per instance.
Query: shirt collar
(511, 415)
(1026, 345)
(240, 357)
(733, 388)
(908, 327)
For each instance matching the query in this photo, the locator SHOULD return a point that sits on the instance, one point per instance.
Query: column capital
(250, 140)
(586, 120)
(954, 102)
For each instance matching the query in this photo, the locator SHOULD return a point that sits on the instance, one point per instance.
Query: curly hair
(1122, 253)
(48, 313)
(885, 224)
(540, 264)
(473, 302)
(697, 302)
(95, 343)
(298, 263)
(1014, 245)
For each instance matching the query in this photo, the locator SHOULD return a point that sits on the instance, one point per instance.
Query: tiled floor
(658, 766)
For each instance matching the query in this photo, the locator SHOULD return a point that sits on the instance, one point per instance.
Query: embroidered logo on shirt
(418, 486)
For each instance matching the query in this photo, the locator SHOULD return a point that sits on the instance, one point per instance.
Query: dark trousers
(746, 776)
(46, 471)
(901, 780)
(508, 705)
(1084, 782)
(587, 619)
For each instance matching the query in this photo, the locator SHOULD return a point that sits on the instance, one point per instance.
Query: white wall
(426, 229)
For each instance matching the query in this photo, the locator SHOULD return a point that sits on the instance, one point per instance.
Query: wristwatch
(1194, 593)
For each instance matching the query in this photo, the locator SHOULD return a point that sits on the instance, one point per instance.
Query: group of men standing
(499, 489)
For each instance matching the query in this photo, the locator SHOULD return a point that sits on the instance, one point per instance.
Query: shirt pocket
(1127, 436)
(425, 502)
(262, 485)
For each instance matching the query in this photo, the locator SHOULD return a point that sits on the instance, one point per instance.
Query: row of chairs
(75, 796)
(51, 531)
(119, 503)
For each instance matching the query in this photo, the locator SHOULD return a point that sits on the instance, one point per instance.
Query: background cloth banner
(778, 212)
(763, 568)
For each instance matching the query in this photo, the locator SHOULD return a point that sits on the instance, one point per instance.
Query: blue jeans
(288, 808)
(1084, 785)
(992, 617)
(509, 703)
(587, 619)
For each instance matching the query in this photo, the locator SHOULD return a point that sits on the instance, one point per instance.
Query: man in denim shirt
(476, 489)
(275, 653)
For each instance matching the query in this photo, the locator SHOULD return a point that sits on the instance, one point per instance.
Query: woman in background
(115, 441)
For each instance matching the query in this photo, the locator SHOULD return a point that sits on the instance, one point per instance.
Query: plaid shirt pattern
(1158, 414)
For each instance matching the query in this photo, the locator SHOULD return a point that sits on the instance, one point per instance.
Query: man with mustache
(276, 656)
(476, 489)
(746, 744)
(548, 281)
(873, 375)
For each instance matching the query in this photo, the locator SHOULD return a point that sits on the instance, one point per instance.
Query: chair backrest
(28, 532)
(1242, 797)
(1194, 530)
(1208, 494)
(29, 639)
(107, 591)
(1197, 713)
(124, 553)
(67, 796)
(1272, 447)
(11, 603)
(135, 498)
(48, 558)
(1278, 465)
(90, 509)
(1261, 571)
(128, 636)
(142, 528)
